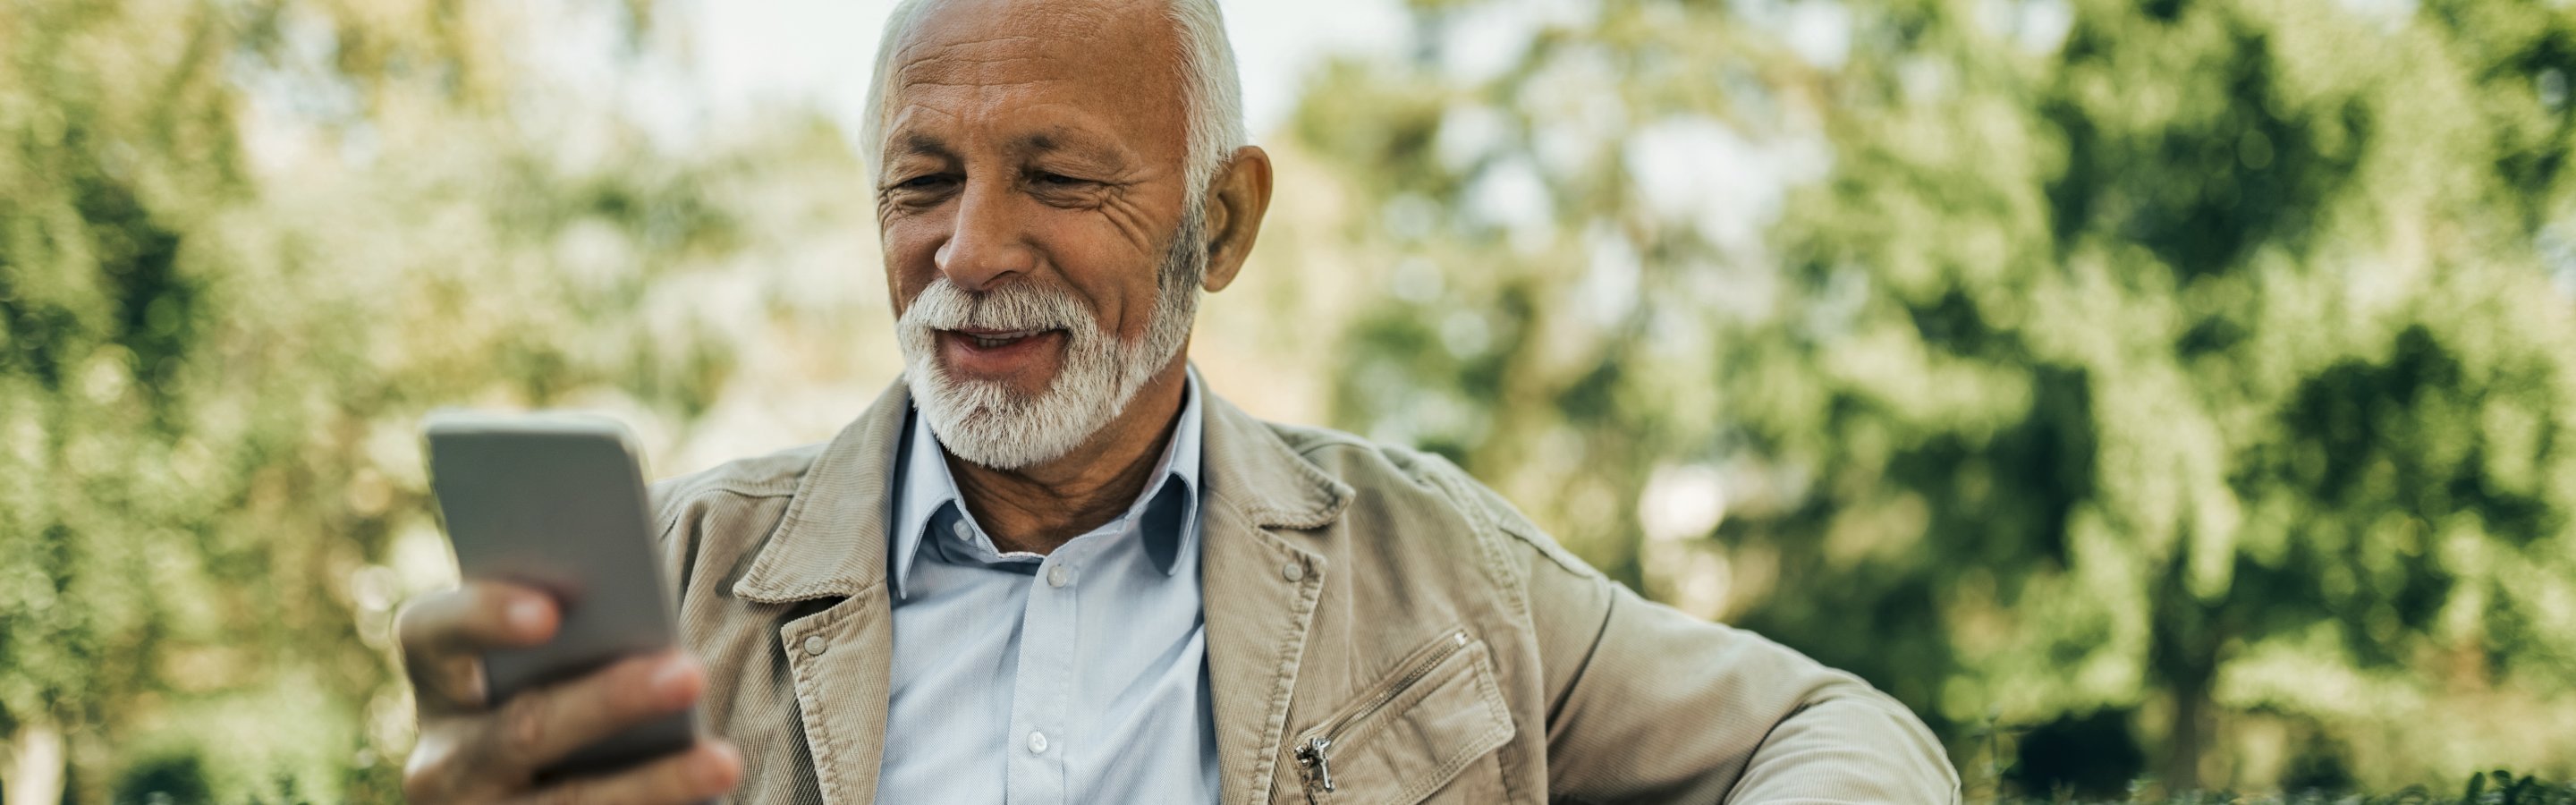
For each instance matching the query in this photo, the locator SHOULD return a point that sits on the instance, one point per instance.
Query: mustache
(942, 305)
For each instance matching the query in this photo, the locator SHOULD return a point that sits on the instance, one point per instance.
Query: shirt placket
(1042, 685)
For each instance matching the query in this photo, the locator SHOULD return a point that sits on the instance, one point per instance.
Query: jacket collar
(1252, 470)
(832, 541)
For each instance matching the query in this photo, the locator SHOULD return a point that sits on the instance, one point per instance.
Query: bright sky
(769, 51)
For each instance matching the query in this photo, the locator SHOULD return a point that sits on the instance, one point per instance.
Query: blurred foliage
(2178, 390)
(243, 246)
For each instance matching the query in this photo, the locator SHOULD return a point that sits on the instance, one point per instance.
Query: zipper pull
(1318, 766)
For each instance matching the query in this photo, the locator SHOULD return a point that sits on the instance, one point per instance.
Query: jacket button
(1293, 571)
(814, 644)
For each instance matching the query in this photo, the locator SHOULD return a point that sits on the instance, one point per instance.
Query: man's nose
(987, 242)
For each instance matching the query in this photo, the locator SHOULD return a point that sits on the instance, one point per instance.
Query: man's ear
(1240, 197)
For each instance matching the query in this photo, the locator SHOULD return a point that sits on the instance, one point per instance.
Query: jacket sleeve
(1648, 704)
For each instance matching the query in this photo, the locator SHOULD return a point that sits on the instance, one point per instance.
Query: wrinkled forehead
(1112, 59)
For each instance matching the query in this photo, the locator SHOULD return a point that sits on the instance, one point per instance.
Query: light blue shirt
(1074, 677)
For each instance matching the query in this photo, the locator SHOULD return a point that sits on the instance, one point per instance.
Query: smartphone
(556, 502)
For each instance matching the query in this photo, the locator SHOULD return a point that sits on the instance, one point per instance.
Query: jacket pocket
(1411, 734)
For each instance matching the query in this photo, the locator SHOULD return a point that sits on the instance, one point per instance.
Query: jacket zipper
(1313, 755)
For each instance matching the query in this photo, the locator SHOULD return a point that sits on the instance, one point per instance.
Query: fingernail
(672, 679)
(527, 615)
(715, 773)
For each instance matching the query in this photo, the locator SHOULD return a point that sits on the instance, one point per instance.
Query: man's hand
(471, 752)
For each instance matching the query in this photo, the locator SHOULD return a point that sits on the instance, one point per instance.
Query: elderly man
(1050, 565)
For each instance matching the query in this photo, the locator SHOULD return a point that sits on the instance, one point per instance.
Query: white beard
(993, 425)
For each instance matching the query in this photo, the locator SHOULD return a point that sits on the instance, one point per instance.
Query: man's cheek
(905, 282)
(911, 263)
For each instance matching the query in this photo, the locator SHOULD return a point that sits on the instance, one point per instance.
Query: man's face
(1031, 195)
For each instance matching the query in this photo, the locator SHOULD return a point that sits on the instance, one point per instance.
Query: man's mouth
(989, 353)
(995, 339)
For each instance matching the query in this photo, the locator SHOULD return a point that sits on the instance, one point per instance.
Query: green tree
(243, 246)
(2178, 388)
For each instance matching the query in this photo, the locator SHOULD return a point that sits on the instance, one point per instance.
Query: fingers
(706, 771)
(471, 757)
(444, 634)
(539, 727)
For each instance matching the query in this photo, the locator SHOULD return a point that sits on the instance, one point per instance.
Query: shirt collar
(927, 488)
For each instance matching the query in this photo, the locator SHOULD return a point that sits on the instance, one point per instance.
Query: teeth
(991, 341)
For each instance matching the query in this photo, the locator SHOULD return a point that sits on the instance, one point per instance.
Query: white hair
(1211, 90)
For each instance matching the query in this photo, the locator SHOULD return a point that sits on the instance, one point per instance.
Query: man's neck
(1037, 508)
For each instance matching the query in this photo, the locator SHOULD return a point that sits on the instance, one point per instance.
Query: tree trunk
(2193, 725)
(35, 766)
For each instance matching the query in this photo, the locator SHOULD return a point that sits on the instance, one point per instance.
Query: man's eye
(932, 181)
(1059, 180)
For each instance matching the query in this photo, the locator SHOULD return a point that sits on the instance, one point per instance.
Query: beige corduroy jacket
(1370, 596)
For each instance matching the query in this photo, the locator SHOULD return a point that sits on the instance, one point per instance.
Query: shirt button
(959, 528)
(1057, 576)
(1293, 571)
(814, 644)
(1037, 742)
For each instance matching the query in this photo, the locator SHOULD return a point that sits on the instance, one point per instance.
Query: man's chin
(988, 392)
(995, 426)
